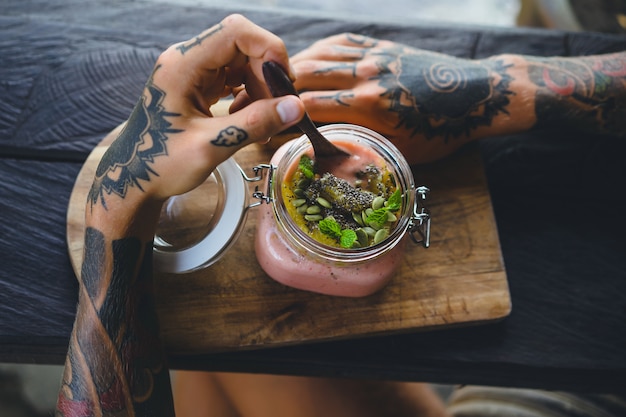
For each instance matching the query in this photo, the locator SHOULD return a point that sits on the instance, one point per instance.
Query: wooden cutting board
(233, 304)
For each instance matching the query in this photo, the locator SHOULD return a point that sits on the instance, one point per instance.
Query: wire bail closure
(263, 197)
(420, 221)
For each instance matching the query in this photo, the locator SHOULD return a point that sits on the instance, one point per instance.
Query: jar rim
(395, 162)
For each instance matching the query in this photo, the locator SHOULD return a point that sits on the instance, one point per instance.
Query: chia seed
(340, 193)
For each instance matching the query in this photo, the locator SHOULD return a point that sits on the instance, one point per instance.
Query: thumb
(258, 121)
(216, 139)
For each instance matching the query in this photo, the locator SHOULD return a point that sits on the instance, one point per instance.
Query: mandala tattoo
(437, 95)
(584, 88)
(128, 159)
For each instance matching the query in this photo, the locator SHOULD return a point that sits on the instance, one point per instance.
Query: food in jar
(296, 258)
(352, 205)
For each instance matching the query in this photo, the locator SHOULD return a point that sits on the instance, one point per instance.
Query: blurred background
(31, 390)
(593, 15)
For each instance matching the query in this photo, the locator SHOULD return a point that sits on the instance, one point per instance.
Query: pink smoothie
(301, 269)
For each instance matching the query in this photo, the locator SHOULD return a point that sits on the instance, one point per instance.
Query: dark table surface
(71, 71)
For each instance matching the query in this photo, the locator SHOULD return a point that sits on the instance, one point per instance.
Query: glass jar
(292, 257)
(196, 228)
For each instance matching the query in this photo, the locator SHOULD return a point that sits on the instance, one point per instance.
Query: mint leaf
(306, 166)
(379, 216)
(348, 237)
(330, 227)
(395, 200)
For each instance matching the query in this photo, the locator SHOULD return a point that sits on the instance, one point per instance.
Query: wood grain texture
(234, 305)
(36, 298)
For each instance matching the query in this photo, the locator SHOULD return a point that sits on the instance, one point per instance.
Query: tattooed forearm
(199, 39)
(128, 159)
(115, 364)
(586, 92)
(438, 95)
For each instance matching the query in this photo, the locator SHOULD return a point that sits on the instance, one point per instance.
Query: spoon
(280, 85)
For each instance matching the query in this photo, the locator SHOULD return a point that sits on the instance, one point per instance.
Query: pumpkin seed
(298, 202)
(314, 210)
(378, 202)
(358, 218)
(323, 202)
(370, 232)
(364, 218)
(362, 236)
(380, 235)
(313, 217)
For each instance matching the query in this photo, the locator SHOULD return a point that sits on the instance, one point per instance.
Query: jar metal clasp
(261, 196)
(419, 225)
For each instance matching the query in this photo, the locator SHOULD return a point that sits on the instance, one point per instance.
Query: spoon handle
(321, 146)
(280, 85)
(277, 80)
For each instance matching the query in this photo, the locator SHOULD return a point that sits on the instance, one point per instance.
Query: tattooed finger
(336, 106)
(324, 75)
(256, 122)
(230, 136)
(349, 39)
(361, 40)
(327, 99)
(234, 42)
(331, 52)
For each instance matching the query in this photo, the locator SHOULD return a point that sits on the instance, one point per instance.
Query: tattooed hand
(424, 102)
(170, 144)
(430, 104)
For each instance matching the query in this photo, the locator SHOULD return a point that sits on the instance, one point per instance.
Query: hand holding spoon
(280, 85)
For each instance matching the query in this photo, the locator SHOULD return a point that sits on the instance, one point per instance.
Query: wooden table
(71, 72)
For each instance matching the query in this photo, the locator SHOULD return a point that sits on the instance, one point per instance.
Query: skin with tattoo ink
(447, 98)
(116, 364)
(430, 104)
(199, 39)
(128, 161)
(583, 92)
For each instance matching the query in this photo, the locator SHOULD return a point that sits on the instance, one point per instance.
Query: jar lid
(196, 228)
